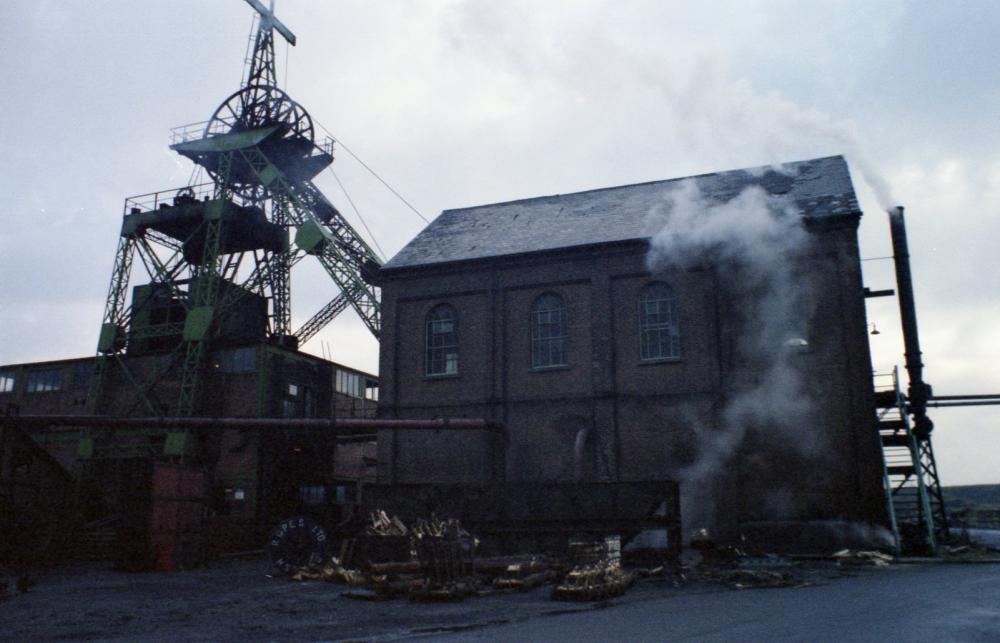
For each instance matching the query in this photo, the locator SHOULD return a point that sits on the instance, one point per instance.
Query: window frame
(44, 380)
(439, 353)
(560, 338)
(647, 327)
(238, 360)
(349, 383)
(8, 381)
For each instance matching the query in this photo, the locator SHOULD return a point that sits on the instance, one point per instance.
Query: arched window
(442, 341)
(659, 331)
(548, 331)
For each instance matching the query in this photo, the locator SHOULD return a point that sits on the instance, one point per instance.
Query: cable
(357, 212)
(373, 173)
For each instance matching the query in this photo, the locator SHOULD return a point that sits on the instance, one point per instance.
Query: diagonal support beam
(342, 254)
(325, 315)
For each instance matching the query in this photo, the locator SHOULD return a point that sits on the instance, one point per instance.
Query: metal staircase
(913, 490)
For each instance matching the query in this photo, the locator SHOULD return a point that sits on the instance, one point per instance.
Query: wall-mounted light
(874, 331)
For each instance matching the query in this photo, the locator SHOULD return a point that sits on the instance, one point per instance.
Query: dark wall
(608, 415)
(246, 463)
(34, 499)
(65, 386)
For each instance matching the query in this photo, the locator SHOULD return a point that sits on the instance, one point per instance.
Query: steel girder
(343, 256)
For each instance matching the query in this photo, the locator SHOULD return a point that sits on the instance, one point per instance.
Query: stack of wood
(597, 571)
(334, 572)
(372, 559)
(385, 525)
(432, 560)
(395, 579)
(386, 540)
(446, 553)
(524, 575)
(436, 528)
(382, 557)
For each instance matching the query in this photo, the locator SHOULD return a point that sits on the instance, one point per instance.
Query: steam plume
(755, 244)
(728, 121)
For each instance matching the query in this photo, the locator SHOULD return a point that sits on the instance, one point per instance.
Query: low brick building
(257, 476)
(543, 314)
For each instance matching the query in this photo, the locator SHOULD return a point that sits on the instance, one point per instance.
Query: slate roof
(818, 188)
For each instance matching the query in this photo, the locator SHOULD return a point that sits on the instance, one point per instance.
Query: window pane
(47, 380)
(442, 341)
(245, 359)
(6, 382)
(659, 331)
(548, 331)
(236, 360)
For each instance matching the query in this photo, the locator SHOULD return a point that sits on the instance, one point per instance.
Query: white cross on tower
(268, 21)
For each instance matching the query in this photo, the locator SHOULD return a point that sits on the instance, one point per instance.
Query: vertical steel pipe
(918, 392)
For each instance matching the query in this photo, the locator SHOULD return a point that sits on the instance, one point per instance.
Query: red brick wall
(643, 418)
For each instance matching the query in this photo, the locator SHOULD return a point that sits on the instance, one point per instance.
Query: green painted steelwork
(208, 250)
(311, 236)
(342, 260)
(225, 142)
(198, 323)
(110, 339)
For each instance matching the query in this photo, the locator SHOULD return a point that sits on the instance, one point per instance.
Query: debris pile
(742, 567)
(446, 553)
(704, 549)
(434, 560)
(597, 571)
(971, 553)
(384, 525)
(523, 575)
(852, 558)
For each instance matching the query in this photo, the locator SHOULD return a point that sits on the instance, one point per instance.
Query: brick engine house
(542, 315)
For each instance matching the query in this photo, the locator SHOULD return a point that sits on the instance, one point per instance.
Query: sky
(462, 103)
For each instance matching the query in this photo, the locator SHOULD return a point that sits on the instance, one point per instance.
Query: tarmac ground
(238, 600)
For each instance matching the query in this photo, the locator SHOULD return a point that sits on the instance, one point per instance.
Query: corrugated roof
(818, 187)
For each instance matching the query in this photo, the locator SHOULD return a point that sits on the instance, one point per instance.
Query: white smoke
(675, 106)
(755, 243)
(728, 121)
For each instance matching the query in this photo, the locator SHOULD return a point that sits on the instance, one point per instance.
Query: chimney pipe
(918, 392)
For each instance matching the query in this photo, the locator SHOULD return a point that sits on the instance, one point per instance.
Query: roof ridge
(537, 199)
(820, 187)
